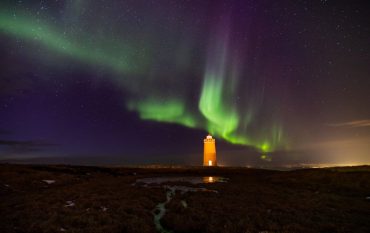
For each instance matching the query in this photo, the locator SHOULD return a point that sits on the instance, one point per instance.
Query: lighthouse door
(210, 163)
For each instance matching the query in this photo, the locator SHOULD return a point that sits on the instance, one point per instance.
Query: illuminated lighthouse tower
(209, 157)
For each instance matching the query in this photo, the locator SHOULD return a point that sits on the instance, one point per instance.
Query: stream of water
(160, 209)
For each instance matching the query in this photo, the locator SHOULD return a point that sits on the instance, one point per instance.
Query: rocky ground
(40, 198)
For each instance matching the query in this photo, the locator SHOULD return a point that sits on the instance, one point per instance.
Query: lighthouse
(209, 156)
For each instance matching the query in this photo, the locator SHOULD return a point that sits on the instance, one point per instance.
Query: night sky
(141, 82)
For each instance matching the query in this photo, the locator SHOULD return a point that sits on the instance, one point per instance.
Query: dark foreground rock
(96, 199)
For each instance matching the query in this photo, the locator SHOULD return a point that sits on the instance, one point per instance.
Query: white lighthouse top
(209, 136)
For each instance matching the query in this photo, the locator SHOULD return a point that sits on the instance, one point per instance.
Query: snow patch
(49, 181)
(184, 204)
(69, 204)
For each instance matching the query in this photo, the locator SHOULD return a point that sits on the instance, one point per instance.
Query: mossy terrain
(103, 199)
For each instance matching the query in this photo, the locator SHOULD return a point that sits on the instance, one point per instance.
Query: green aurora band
(217, 112)
(172, 111)
(42, 33)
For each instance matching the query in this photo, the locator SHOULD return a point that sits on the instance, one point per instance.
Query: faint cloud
(14, 146)
(353, 124)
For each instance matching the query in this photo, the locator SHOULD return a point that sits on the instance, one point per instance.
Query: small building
(209, 156)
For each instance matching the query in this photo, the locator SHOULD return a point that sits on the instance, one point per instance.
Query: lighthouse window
(210, 163)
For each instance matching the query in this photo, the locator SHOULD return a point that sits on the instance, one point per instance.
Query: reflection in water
(214, 179)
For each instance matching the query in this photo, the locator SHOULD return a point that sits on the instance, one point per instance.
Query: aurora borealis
(261, 75)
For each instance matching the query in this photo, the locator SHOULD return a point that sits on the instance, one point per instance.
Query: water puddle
(185, 179)
(160, 209)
